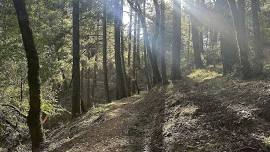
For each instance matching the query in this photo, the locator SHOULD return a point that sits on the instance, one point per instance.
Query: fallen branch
(15, 109)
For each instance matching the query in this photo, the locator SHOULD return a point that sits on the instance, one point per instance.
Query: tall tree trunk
(94, 84)
(196, 43)
(88, 97)
(228, 43)
(188, 45)
(146, 68)
(21, 89)
(255, 8)
(120, 82)
(83, 107)
(135, 46)
(129, 51)
(201, 4)
(123, 48)
(176, 46)
(129, 36)
(138, 56)
(33, 119)
(152, 57)
(76, 105)
(240, 26)
(163, 43)
(156, 74)
(105, 69)
(81, 79)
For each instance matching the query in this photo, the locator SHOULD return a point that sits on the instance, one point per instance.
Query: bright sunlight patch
(200, 75)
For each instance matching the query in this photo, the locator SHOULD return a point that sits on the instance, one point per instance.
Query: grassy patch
(200, 75)
(101, 108)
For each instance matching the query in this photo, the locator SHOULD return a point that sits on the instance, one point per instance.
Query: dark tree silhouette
(76, 98)
(105, 69)
(120, 80)
(255, 8)
(239, 23)
(228, 42)
(33, 118)
(176, 72)
(163, 44)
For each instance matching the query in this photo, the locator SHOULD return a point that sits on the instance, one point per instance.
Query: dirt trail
(125, 127)
(213, 116)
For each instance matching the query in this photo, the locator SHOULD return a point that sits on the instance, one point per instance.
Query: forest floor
(203, 113)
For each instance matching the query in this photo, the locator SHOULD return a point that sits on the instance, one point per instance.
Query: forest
(135, 75)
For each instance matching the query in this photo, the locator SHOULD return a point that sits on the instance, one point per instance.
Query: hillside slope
(214, 114)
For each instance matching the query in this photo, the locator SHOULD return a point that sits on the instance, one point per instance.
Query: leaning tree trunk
(33, 119)
(76, 105)
(255, 7)
(152, 57)
(105, 69)
(241, 34)
(176, 46)
(120, 82)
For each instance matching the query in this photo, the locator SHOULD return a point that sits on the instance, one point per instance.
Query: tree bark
(81, 79)
(156, 74)
(88, 97)
(129, 51)
(138, 56)
(255, 8)
(163, 43)
(151, 54)
(129, 36)
(196, 43)
(188, 46)
(228, 43)
(135, 46)
(33, 118)
(123, 48)
(76, 105)
(176, 46)
(146, 66)
(94, 84)
(105, 69)
(120, 82)
(240, 26)
(83, 107)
